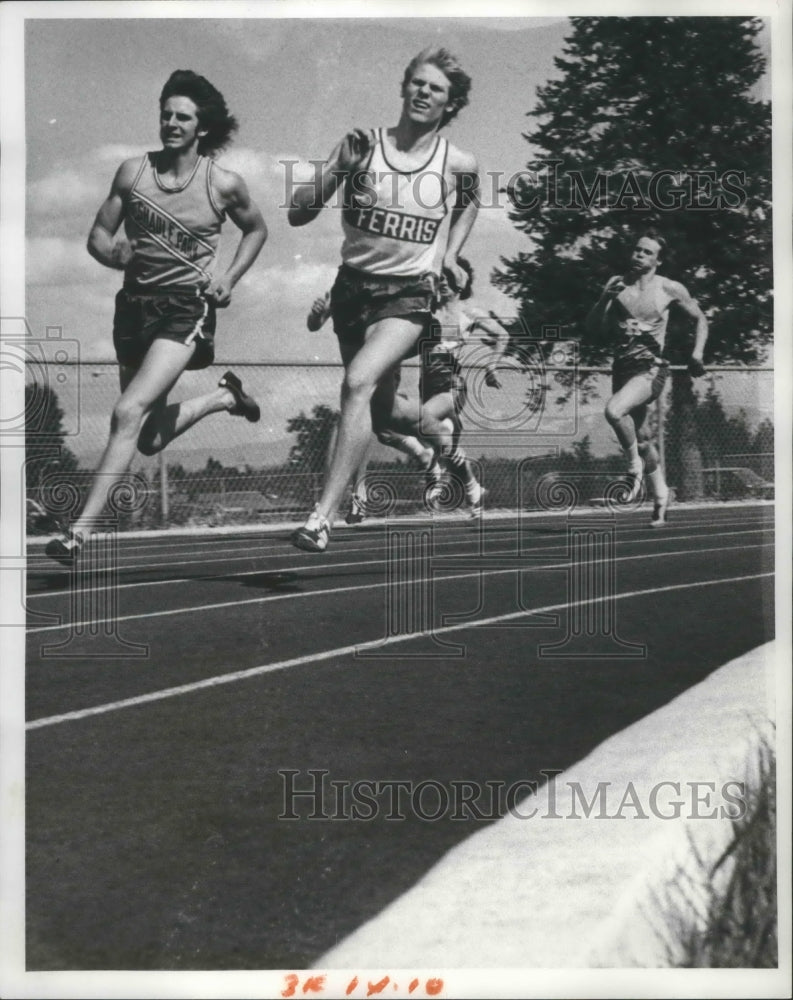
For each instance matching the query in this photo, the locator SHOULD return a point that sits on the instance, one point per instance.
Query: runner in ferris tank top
(396, 222)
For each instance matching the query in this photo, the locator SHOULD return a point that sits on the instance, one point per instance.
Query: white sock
(657, 483)
(634, 462)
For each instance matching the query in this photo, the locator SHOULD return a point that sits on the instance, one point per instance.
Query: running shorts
(143, 317)
(358, 300)
(654, 371)
(441, 372)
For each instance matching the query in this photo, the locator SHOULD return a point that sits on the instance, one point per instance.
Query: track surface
(153, 786)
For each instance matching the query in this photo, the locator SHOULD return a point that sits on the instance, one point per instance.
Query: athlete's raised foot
(244, 405)
(660, 507)
(65, 548)
(314, 535)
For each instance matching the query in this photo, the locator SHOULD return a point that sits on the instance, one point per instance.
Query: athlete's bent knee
(127, 417)
(357, 385)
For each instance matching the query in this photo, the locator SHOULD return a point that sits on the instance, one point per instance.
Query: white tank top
(396, 222)
(645, 311)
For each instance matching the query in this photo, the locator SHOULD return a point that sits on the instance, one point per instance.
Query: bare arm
(102, 243)
(308, 200)
(465, 173)
(243, 211)
(319, 314)
(691, 307)
(495, 337)
(596, 317)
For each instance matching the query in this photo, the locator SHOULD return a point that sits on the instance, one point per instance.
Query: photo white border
(14, 980)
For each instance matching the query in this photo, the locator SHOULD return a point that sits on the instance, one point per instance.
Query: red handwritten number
(292, 980)
(314, 984)
(432, 987)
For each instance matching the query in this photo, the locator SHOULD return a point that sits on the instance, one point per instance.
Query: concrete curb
(547, 892)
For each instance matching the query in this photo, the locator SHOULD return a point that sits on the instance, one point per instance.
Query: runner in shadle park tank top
(176, 229)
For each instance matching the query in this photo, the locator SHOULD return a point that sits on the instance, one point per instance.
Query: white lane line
(329, 654)
(160, 542)
(270, 547)
(319, 564)
(371, 586)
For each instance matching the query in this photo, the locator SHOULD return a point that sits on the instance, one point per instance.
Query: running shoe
(357, 511)
(314, 535)
(659, 512)
(475, 495)
(244, 405)
(65, 548)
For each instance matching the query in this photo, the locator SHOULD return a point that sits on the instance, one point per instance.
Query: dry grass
(724, 915)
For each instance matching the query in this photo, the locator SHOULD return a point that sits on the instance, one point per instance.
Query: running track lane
(153, 834)
(295, 606)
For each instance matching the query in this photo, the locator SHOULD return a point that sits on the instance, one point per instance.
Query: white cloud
(68, 196)
(52, 260)
(270, 176)
(299, 283)
(115, 153)
(60, 193)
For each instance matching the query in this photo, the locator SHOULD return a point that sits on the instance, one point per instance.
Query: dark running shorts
(358, 300)
(441, 373)
(143, 317)
(626, 369)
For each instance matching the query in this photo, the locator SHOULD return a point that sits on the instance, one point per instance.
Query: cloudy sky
(296, 86)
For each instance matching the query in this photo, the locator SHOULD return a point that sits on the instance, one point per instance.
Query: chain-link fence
(715, 436)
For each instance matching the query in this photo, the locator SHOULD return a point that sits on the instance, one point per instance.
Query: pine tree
(46, 454)
(314, 435)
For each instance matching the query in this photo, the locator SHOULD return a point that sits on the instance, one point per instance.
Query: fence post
(163, 489)
(660, 416)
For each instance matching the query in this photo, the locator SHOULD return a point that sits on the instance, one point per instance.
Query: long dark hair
(213, 115)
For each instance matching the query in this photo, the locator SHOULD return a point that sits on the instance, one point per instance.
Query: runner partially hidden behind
(634, 310)
(410, 199)
(173, 203)
(443, 388)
